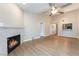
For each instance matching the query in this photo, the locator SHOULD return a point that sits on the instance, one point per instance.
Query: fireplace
(13, 42)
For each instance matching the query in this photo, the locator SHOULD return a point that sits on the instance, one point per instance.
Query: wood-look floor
(49, 46)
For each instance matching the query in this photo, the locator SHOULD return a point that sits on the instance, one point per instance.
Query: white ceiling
(41, 7)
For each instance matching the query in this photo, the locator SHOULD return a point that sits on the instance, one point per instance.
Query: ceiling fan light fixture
(54, 10)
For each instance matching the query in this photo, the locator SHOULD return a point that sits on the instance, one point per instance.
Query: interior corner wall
(32, 25)
(69, 17)
(48, 21)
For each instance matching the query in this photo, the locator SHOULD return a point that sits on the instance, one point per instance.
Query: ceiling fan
(54, 9)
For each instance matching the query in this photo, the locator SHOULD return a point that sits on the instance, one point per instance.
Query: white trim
(37, 37)
(48, 35)
(27, 40)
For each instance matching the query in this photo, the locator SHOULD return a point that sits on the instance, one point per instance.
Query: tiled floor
(49, 46)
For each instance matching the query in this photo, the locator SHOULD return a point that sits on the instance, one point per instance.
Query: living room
(35, 29)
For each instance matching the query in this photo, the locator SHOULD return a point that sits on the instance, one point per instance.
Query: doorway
(42, 29)
(54, 29)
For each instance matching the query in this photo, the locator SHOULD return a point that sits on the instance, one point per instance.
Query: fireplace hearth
(12, 43)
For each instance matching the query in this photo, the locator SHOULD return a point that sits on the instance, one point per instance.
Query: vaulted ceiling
(41, 7)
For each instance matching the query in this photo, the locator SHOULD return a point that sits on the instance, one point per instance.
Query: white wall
(48, 21)
(11, 15)
(32, 25)
(69, 17)
(78, 23)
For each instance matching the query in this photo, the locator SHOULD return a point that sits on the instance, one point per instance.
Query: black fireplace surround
(12, 43)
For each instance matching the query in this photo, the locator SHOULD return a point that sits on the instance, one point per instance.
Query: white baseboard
(27, 40)
(37, 37)
(48, 35)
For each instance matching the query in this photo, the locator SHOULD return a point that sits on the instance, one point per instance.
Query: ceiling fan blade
(50, 14)
(60, 12)
(50, 4)
(66, 5)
